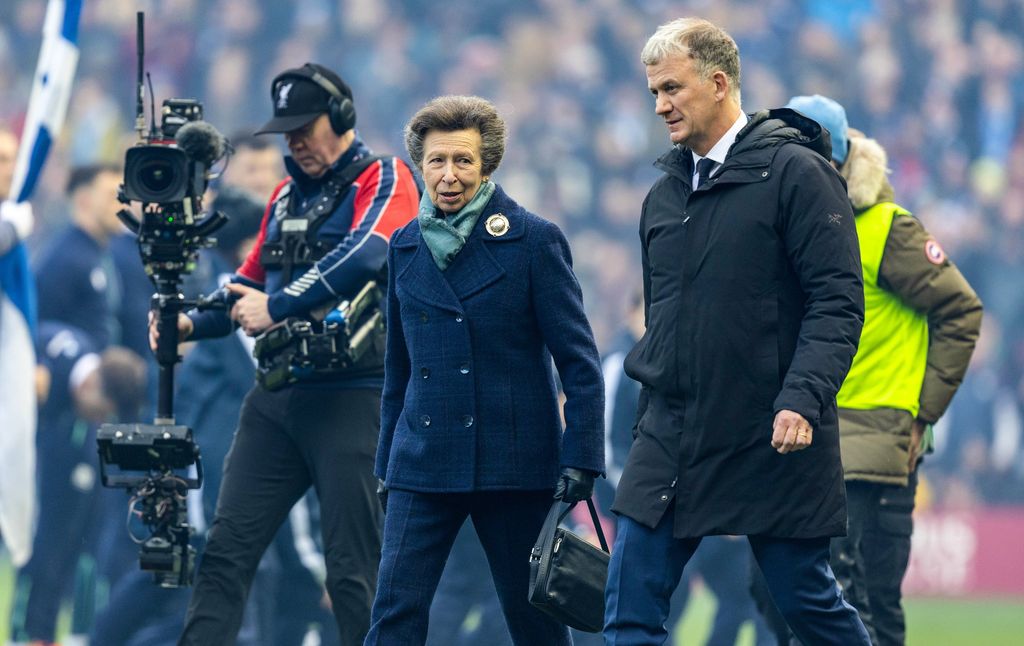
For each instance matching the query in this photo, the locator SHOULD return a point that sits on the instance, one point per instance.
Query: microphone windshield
(201, 142)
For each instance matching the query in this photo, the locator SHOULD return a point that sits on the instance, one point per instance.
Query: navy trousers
(647, 564)
(419, 529)
(461, 592)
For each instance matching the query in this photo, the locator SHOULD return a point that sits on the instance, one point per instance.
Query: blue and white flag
(51, 90)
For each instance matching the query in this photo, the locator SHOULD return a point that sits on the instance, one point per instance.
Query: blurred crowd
(937, 82)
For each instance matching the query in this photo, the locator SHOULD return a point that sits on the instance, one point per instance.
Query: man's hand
(790, 432)
(916, 435)
(184, 329)
(574, 485)
(250, 310)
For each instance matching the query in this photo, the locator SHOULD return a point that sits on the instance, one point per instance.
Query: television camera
(167, 174)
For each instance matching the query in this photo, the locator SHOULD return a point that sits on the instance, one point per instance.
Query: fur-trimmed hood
(866, 171)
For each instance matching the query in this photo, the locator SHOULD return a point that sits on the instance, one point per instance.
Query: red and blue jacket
(381, 199)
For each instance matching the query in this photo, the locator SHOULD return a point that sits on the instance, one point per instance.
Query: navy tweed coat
(469, 398)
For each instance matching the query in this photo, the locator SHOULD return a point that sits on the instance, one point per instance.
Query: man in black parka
(754, 306)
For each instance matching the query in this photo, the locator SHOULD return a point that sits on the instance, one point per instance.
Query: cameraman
(322, 433)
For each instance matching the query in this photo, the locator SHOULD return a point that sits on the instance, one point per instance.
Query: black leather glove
(382, 495)
(574, 485)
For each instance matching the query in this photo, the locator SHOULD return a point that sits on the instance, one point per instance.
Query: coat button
(464, 368)
(458, 319)
(425, 420)
(425, 372)
(467, 420)
(664, 497)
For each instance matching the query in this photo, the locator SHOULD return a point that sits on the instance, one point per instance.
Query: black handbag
(568, 574)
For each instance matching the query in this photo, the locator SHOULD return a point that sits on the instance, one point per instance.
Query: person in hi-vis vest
(921, 322)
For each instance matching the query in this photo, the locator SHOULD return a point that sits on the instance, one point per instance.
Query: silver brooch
(497, 225)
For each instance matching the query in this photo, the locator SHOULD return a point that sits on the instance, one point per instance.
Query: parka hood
(766, 130)
(770, 128)
(865, 172)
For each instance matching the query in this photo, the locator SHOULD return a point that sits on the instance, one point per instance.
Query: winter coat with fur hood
(875, 442)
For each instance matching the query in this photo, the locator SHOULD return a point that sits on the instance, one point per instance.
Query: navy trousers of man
(647, 564)
(419, 530)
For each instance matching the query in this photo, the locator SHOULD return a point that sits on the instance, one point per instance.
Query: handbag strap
(550, 530)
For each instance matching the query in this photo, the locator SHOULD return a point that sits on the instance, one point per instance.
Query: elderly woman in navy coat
(481, 297)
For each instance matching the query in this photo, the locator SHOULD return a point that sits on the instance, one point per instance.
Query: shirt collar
(721, 148)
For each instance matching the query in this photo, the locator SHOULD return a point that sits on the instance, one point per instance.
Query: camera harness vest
(350, 339)
(299, 244)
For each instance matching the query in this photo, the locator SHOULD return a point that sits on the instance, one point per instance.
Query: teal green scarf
(445, 236)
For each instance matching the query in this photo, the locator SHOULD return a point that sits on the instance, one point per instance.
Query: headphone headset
(341, 112)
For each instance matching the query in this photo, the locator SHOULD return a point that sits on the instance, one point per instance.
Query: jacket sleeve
(645, 392)
(915, 268)
(397, 370)
(558, 303)
(817, 226)
(385, 200)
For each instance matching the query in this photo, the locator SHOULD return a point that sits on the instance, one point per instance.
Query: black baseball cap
(299, 95)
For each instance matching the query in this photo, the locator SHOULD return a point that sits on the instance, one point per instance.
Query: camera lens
(156, 173)
(157, 176)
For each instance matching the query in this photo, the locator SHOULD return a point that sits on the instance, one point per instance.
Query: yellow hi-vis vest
(888, 369)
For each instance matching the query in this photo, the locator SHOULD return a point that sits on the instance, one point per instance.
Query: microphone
(201, 142)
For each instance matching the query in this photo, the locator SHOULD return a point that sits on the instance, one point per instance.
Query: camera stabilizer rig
(167, 174)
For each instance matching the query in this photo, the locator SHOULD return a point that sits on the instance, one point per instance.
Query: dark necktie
(704, 167)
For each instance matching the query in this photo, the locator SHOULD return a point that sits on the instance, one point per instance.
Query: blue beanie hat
(829, 114)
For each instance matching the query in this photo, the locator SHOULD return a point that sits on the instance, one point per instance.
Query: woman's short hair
(710, 47)
(450, 113)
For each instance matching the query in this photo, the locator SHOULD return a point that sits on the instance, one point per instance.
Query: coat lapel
(473, 269)
(419, 276)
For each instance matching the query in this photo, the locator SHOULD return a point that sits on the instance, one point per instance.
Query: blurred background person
(255, 166)
(81, 389)
(76, 279)
(922, 320)
(15, 219)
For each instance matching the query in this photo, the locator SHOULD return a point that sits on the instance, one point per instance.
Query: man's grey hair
(710, 47)
(450, 113)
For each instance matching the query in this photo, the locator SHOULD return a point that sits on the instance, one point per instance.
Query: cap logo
(282, 95)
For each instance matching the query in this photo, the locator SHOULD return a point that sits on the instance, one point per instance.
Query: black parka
(754, 303)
